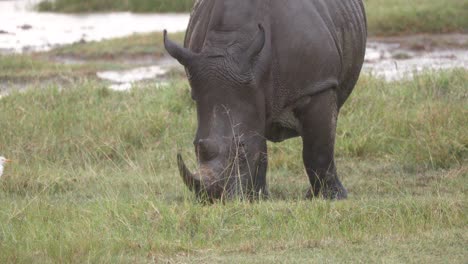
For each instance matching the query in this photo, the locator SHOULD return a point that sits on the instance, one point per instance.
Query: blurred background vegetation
(386, 17)
(140, 6)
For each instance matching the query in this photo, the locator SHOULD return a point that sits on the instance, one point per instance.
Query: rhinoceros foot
(335, 192)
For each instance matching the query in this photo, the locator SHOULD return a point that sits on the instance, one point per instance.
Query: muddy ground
(392, 58)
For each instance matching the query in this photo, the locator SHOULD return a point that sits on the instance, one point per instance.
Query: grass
(95, 180)
(86, 58)
(135, 47)
(142, 6)
(386, 17)
(397, 17)
(18, 68)
(430, 133)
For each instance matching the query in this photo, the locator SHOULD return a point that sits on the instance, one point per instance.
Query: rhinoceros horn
(183, 55)
(192, 181)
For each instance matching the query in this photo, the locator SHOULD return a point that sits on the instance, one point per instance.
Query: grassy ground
(17, 68)
(136, 47)
(84, 59)
(397, 17)
(95, 180)
(145, 6)
(386, 17)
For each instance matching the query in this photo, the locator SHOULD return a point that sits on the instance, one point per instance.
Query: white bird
(3, 160)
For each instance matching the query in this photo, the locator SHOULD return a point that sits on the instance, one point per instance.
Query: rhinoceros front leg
(318, 116)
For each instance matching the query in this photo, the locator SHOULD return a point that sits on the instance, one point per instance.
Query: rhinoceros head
(229, 142)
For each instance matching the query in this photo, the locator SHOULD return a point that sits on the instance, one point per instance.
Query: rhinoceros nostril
(207, 149)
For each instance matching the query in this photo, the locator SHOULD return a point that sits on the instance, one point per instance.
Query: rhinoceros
(268, 70)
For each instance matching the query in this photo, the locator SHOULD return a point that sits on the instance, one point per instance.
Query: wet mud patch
(397, 58)
(125, 79)
(426, 42)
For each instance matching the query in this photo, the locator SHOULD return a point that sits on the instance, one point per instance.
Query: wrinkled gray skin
(268, 70)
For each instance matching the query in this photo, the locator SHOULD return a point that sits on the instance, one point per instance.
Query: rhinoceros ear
(183, 55)
(253, 49)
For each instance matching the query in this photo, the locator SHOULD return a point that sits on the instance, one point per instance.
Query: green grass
(386, 17)
(24, 68)
(95, 180)
(396, 17)
(86, 58)
(143, 6)
(135, 47)
(420, 122)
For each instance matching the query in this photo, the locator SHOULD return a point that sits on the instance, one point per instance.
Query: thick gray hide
(312, 45)
(280, 69)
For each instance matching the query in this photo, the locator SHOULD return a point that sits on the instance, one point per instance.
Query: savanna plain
(95, 179)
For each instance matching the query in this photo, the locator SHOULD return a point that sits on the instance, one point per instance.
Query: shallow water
(124, 80)
(393, 62)
(22, 29)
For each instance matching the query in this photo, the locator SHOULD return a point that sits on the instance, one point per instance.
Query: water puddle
(125, 87)
(23, 29)
(133, 75)
(393, 62)
(124, 80)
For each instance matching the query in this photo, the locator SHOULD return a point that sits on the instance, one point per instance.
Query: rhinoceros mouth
(232, 181)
